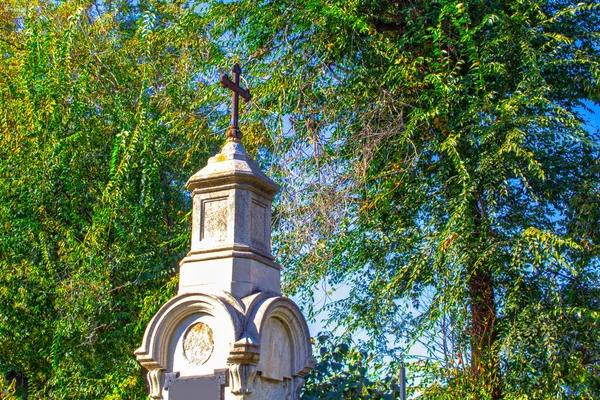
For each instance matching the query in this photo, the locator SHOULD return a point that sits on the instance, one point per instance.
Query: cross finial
(234, 131)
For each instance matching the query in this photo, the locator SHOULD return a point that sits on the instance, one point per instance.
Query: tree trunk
(485, 365)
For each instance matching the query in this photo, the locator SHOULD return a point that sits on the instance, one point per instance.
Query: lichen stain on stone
(198, 343)
(215, 220)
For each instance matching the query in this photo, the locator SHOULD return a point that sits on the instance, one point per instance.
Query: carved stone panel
(258, 224)
(214, 220)
(276, 358)
(209, 387)
(198, 343)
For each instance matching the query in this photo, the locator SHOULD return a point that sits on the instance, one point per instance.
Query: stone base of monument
(215, 346)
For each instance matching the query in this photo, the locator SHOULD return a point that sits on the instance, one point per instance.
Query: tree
(102, 109)
(438, 165)
(344, 371)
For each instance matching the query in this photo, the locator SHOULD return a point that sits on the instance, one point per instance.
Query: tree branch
(12, 44)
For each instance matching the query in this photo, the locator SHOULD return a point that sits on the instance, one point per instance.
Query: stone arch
(153, 353)
(280, 319)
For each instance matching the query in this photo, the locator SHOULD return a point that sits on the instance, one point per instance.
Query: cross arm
(228, 84)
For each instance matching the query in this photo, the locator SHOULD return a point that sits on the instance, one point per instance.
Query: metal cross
(234, 131)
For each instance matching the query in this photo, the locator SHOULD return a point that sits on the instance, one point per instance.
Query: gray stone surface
(229, 314)
(231, 221)
(198, 343)
(207, 387)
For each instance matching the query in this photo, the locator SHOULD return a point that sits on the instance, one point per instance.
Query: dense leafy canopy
(101, 126)
(343, 373)
(439, 169)
(433, 157)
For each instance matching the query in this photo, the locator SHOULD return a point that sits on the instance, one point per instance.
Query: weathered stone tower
(229, 333)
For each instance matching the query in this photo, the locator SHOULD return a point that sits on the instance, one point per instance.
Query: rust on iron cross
(234, 131)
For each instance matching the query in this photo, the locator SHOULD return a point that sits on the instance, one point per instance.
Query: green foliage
(433, 158)
(8, 390)
(345, 372)
(437, 165)
(101, 124)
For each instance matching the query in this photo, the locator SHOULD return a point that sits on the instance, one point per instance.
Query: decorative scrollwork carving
(242, 376)
(154, 380)
(242, 360)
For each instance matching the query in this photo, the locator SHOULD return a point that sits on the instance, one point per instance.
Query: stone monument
(229, 333)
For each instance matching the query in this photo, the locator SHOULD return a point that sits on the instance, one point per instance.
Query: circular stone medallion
(198, 343)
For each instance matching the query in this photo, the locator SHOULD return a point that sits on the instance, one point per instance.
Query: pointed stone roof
(232, 165)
